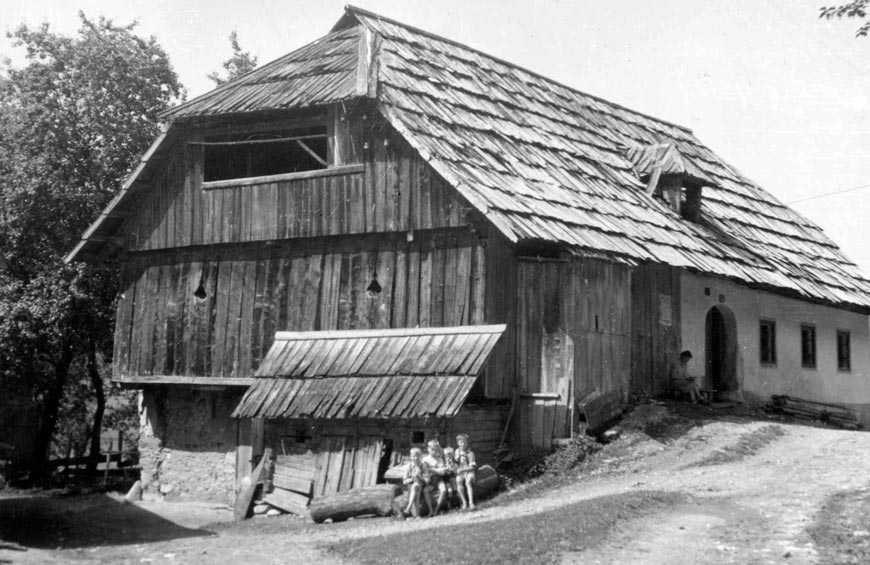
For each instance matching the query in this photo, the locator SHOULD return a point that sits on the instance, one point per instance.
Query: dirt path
(754, 490)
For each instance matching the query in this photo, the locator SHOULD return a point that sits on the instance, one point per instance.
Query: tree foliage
(73, 121)
(856, 9)
(239, 63)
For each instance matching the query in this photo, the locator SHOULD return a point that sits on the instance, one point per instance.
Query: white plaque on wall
(665, 309)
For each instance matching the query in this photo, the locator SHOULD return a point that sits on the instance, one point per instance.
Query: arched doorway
(721, 346)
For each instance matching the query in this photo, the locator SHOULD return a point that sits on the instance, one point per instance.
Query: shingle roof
(546, 162)
(391, 373)
(543, 161)
(322, 72)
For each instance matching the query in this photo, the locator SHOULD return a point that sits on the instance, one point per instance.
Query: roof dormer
(671, 176)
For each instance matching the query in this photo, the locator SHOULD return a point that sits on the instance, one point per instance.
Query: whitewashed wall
(825, 383)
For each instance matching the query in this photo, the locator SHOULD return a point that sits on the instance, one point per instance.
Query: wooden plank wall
(396, 191)
(654, 344)
(250, 292)
(499, 376)
(573, 337)
(337, 454)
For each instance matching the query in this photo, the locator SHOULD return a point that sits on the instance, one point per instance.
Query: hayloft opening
(263, 153)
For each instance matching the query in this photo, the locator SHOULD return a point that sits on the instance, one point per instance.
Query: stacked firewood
(833, 414)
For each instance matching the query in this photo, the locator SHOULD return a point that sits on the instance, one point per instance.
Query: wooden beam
(137, 381)
(260, 141)
(366, 71)
(250, 181)
(311, 152)
(396, 332)
(653, 181)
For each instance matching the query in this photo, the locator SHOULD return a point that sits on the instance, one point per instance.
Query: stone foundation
(187, 443)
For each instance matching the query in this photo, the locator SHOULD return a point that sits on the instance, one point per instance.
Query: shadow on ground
(50, 522)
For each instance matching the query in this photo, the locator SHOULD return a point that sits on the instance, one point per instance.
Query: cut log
(245, 496)
(600, 410)
(395, 474)
(376, 499)
(486, 482)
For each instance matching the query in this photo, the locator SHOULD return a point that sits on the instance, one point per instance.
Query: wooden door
(346, 462)
(545, 351)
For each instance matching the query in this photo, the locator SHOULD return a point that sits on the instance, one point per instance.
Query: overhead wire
(832, 193)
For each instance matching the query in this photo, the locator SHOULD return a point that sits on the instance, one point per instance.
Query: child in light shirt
(466, 466)
(416, 476)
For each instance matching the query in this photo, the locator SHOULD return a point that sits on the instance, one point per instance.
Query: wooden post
(106, 470)
(249, 486)
(68, 454)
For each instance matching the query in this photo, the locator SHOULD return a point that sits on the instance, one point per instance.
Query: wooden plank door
(346, 462)
(545, 351)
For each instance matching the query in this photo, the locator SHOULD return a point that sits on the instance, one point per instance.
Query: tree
(240, 63)
(73, 122)
(855, 9)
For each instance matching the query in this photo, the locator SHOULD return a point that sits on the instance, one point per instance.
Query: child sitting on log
(434, 460)
(450, 475)
(465, 467)
(416, 474)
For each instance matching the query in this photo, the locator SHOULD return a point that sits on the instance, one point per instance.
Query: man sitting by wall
(680, 381)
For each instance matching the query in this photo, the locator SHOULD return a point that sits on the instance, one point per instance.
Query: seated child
(414, 480)
(466, 465)
(450, 476)
(434, 460)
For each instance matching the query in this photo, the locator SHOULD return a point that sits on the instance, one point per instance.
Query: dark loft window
(844, 354)
(767, 345)
(235, 156)
(808, 346)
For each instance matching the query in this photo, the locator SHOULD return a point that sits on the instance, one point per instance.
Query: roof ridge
(354, 10)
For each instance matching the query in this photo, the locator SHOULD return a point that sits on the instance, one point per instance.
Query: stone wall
(187, 443)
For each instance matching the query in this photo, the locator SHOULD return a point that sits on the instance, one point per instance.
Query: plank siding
(573, 337)
(396, 191)
(252, 292)
(654, 344)
(499, 278)
(337, 455)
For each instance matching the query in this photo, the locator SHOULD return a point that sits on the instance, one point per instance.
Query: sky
(778, 93)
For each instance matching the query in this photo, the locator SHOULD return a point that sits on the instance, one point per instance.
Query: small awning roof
(395, 373)
(668, 159)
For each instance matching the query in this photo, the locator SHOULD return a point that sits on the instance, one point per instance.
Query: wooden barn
(385, 236)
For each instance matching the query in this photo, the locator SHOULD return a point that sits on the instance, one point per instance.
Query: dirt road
(752, 492)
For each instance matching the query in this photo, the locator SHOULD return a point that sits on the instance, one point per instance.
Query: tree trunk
(375, 499)
(50, 407)
(97, 427)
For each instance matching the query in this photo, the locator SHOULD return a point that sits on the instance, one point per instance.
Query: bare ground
(705, 488)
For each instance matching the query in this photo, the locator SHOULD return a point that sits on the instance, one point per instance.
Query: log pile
(833, 414)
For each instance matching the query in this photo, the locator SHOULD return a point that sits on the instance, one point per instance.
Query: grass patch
(540, 538)
(841, 530)
(748, 444)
